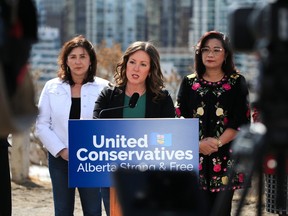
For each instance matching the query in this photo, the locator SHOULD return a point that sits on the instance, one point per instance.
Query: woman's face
(213, 54)
(78, 61)
(138, 67)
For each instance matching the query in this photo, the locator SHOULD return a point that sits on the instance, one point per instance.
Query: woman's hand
(208, 145)
(64, 154)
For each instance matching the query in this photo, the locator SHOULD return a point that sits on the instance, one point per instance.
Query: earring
(68, 69)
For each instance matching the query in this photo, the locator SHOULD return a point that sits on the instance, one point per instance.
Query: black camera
(263, 29)
(258, 26)
(159, 193)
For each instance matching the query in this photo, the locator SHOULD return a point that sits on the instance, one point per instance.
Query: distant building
(173, 26)
(208, 15)
(44, 53)
(181, 58)
(168, 22)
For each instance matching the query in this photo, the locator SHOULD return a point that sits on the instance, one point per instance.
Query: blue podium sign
(98, 147)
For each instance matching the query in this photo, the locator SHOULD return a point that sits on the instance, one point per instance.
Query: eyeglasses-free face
(215, 51)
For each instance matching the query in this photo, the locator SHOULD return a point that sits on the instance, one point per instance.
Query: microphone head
(133, 100)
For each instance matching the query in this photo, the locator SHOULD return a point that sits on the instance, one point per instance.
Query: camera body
(264, 31)
(256, 27)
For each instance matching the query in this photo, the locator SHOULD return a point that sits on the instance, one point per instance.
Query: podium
(99, 147)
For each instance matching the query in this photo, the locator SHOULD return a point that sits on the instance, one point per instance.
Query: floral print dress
(218, 105)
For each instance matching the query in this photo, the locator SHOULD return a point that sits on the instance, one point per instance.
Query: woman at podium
(139, 72)
(138, 91)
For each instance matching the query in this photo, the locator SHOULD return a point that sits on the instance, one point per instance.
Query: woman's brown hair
(64, 71)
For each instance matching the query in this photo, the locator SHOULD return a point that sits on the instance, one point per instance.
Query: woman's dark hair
(64, 71)
(228, 65)
(155, 80)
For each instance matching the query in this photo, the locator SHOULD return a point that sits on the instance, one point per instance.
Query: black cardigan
(114, 97)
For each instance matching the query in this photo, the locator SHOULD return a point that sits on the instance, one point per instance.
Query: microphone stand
(113, 108)
(132, 103)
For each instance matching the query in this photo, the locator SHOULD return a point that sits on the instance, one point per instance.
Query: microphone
(132, 103)
(133, 100)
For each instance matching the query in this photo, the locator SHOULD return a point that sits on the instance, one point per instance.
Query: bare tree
(107, 58)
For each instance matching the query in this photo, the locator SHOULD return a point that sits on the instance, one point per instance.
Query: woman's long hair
(64, 71)
(228, 65)
(155, 80)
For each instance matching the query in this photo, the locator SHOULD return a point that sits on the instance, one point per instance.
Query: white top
(54, 109)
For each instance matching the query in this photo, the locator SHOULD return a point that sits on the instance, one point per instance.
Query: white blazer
(54, 109)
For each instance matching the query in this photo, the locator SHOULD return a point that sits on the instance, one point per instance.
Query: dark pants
(5, 185)
(219, 203)
(64, 197)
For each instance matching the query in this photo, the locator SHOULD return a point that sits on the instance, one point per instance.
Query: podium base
(115, 208)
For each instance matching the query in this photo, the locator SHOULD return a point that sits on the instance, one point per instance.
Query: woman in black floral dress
(217, 94)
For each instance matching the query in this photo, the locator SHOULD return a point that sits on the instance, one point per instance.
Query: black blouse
(75, 108)
(217, 105)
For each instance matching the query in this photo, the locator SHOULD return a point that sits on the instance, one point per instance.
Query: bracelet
(219, 142)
